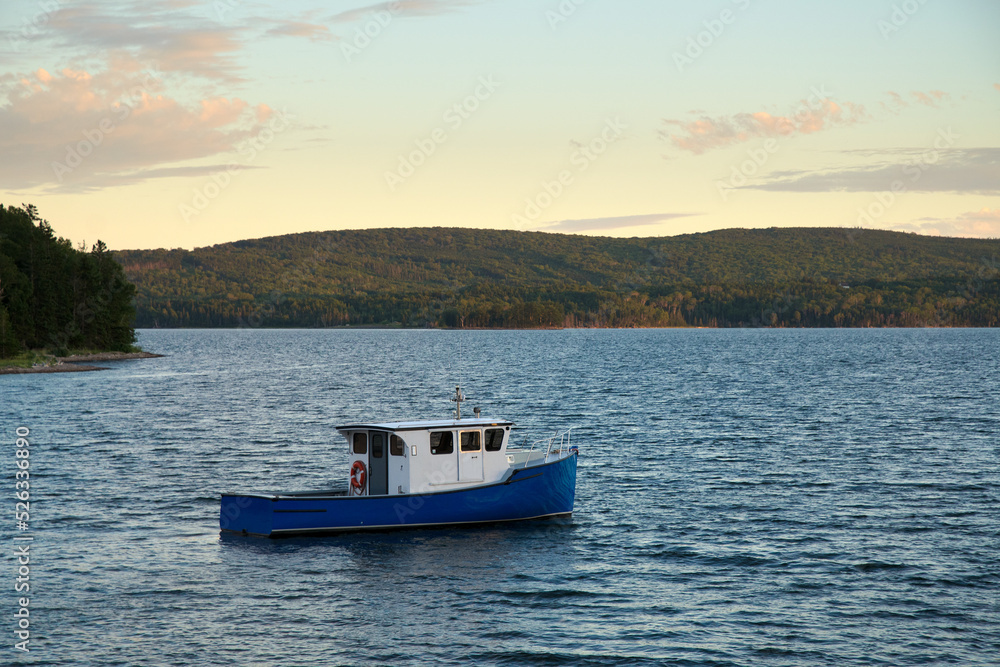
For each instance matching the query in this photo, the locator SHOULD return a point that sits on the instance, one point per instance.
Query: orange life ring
(359, 475)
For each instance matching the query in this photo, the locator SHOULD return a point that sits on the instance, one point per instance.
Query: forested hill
(490, 278)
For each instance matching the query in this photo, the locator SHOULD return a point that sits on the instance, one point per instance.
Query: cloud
(930, 98)
(411, 8)
(984, 223)
(897, 101)
(179, 36)
(109, 180)
(997, 86)
(963, 170)
(709, 133)
(312, 31)
(604, 224)
(76, 130)
(151, 32)
(191, 36)
(816, 114)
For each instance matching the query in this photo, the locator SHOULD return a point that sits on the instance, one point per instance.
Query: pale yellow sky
(194, 126)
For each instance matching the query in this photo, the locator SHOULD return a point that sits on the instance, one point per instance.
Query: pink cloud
(984, 223)
(707, 133)
(896, 100)
(220, 111)
(930, 98)
(263, 112)
(997, 86)
(119, 124)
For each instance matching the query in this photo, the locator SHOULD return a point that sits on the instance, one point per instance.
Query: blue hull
(530, 493)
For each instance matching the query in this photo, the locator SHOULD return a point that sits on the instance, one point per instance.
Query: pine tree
(56, 297)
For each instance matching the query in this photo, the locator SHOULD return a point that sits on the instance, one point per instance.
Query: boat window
(442, 442)
(378, 445)
(494, 439)
(396, 445)
(360, 443)
(470, 441)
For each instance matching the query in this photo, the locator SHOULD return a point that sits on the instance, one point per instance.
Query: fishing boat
(411, 474)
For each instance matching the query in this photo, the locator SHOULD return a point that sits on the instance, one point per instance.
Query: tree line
(874, 304)
(58, 298)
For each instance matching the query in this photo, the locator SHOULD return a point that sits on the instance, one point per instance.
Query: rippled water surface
(743, 498)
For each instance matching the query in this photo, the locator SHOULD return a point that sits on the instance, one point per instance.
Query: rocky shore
(71, 364)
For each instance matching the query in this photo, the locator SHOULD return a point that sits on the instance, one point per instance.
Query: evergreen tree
(9, 344)
(55, 297)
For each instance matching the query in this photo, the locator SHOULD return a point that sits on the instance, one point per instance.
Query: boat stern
(249, 515)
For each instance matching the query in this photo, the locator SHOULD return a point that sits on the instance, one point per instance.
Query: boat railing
(554, 447)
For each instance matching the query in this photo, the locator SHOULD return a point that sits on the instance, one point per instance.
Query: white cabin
(401, 458)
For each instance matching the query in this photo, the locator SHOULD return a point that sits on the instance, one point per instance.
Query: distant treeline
(873, 304)
(55, 297)
(467, 278)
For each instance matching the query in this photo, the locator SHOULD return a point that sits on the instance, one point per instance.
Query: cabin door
(378, 464)
(470, 456)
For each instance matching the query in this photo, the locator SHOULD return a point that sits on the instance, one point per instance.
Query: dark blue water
(744, 498)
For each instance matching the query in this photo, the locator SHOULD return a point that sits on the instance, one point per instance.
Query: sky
(187, 123)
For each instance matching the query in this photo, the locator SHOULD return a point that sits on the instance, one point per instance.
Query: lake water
(744, 497)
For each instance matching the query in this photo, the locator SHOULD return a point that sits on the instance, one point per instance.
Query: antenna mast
(458, 398)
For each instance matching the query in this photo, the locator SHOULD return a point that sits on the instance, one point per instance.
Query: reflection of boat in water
(421, 473)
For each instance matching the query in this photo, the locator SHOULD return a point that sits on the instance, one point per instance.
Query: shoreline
(71, 364)
(107, 356)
